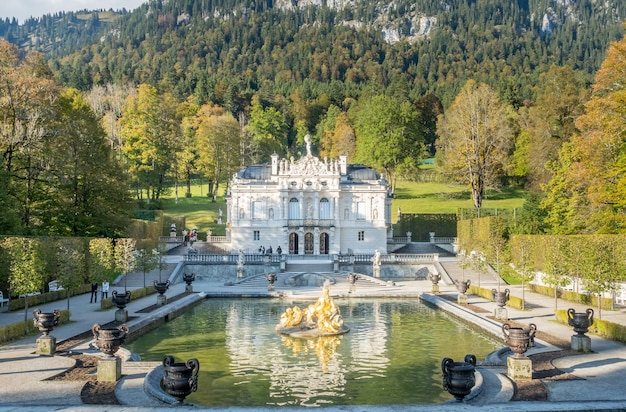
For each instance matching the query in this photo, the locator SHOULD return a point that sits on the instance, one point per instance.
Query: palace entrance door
(323, 243)
(309, 244)
(293, 243)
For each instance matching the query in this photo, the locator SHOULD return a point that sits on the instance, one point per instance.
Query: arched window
(294, 208)
(324, 209)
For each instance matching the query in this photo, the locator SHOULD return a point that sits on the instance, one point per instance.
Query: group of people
(190, 237)
(94, 291)
(269, 250)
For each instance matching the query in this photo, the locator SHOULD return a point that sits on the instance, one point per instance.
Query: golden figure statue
(320, 318)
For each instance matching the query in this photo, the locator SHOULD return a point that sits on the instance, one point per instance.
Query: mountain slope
(227, 50)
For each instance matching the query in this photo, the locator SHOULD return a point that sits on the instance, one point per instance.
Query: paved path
(22, 374)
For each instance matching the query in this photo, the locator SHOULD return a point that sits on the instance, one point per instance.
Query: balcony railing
(310, 222)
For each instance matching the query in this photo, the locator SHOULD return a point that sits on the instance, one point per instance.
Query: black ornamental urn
(120, 300)
(519, 339)
(161, 287)
(45, 322)
(580, 321)
(180, 379)
(435, 278)
(501, 298)
(458, 377)
(463, 286)
(109, 340)
(188, 278)
(271, 278)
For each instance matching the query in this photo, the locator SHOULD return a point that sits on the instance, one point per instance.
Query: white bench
(2, 299)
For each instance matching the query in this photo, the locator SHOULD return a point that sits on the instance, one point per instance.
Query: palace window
(361, 235)
(257, 235)
(294, 208)
(360, 211)
(324, 209)
(257, 210)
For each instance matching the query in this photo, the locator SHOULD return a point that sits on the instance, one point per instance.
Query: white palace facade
(309, 207)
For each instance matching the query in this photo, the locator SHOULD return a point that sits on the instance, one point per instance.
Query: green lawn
(199, 210)
(411, 197)
(414, 197)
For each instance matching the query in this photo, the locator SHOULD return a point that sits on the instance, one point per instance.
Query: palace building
(309, 207)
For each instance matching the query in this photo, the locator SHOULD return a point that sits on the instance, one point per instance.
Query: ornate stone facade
(309, 207)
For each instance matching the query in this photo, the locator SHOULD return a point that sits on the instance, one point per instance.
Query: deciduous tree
(475, 138)
(388, 135)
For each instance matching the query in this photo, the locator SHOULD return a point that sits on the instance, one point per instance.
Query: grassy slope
(411, 197)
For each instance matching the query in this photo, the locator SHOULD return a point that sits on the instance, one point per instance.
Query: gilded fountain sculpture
(321, 318)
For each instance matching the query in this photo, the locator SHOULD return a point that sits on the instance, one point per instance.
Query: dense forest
(179, 89)
(226, 51)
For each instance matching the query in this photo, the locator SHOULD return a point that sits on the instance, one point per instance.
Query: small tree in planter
(600, 268)
(554, 256)
(521, 246)
(124, 253)
(145, 261)
(71, 265)
(26, 268)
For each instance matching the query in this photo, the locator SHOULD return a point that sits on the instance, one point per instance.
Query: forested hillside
(181, 89)
(227, 50)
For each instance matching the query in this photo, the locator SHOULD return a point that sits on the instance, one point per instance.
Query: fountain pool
(392, 354)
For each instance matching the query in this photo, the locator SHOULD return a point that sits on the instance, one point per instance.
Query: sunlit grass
(199, 210)
(412, 197)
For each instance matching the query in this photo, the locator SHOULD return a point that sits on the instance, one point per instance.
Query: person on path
(94, 293)
(105, 289)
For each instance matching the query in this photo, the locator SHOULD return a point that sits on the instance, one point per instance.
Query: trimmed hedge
(606, 329)
(591, 300)
(21, 329)
(36, 300)
(421, 224)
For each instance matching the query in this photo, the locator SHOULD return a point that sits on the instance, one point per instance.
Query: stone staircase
(309, 267)
(340, 281)
(422, 248)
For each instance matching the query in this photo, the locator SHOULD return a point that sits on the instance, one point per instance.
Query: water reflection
(391, 355)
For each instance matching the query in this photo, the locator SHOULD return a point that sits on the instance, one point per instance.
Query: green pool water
(392, 354)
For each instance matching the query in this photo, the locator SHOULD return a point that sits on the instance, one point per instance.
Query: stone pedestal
(121, 315)
(46, 345)
(271, 288)
(352, 288)
(161, 300)
(435, 289)
(376, 272)
(519, 368)
(109, 370)
(239, 272)
(581, 343)
(189, 288)
(462, 299)
(501, 313)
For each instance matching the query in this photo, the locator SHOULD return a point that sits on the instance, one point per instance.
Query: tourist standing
(105, 289)
(94, 293)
